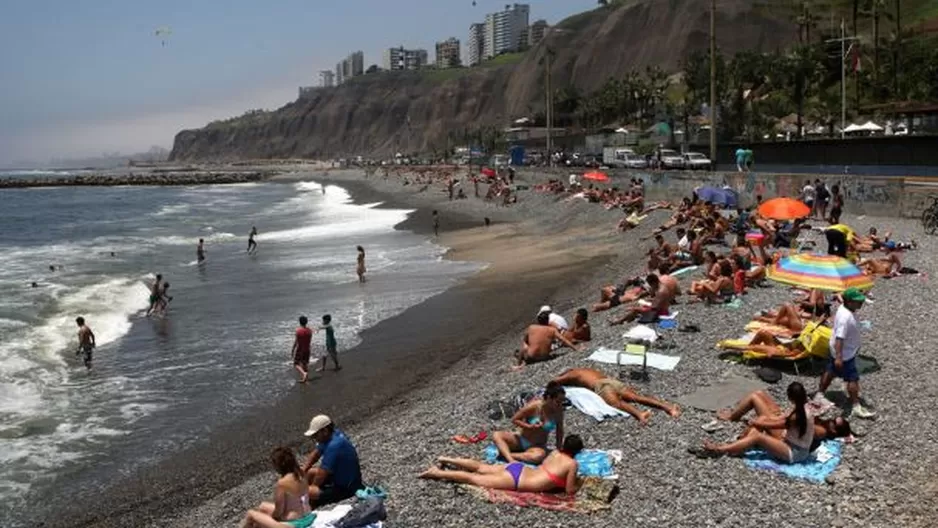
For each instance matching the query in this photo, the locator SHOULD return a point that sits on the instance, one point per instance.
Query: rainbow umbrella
(823, 272)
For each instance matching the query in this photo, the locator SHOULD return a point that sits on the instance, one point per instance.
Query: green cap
(853, 294)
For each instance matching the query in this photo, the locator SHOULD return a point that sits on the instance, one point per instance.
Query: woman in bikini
(556, 473)
(765, 407)
(290, 508)
(764, 342)
(712, 290)
(535, 422)
(361, 264)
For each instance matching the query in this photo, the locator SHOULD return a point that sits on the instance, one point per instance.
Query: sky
(81, 78)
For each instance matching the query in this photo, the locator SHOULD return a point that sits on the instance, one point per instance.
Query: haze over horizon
(92, 77)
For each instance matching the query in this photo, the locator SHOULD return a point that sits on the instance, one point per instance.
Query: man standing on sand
(436, 223)
(844, 345)
(86, 342)
(155, 291)
(332, 347)
(301, 349)
(252, 245)
(538, 342)
(200, 251)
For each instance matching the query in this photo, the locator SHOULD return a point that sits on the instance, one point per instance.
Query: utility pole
(843, 79)
(713, 83)
(550, 112)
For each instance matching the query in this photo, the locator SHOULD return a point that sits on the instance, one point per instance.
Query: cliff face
(403, 112)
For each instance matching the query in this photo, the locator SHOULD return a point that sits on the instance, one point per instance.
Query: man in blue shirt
(339, 474)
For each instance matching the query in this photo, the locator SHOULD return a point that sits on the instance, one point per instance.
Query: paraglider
(162, 33)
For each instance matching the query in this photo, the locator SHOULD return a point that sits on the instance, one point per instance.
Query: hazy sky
(85, 77)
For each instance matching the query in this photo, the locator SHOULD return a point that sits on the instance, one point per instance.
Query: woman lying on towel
(615, 393)
(556, 473)
(767, 344)
(535, 422)
(788, 438)
(794, 317)
(290, 508)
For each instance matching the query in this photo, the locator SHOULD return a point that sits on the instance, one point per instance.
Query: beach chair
(637, 348)
(815, 339)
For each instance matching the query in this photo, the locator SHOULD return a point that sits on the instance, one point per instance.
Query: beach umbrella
(783, 209)
(823, 272)
(724, 197)
(596, 176)
(490, 173)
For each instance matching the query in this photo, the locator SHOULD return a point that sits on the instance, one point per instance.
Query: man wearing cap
(339, 474)
(557, 321)
(844, 345)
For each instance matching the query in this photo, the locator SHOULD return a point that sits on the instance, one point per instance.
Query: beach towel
(641, 333)
(822, 462)
(591, 404)
(656, 361)
(683, 271)
(594, 495)
(775, 330)
(591, 462)
(332, 517)
(722, 394)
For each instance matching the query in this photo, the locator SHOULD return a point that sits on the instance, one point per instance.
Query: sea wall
(183, 177)
(864, 195)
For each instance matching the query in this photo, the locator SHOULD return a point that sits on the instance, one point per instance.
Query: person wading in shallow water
(155, 292)
(301, 349)
(252, 245)
(86, 342)
(200, 251)
(436, 223)
(361, 265)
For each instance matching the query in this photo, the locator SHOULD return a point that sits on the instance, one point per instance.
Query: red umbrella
(784, 209)
(596, 176)
(488, 172)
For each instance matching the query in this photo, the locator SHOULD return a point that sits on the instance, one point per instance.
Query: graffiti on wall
(867, 191)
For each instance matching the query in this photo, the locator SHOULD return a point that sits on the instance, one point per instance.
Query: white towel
(656, 361)
(591, 404)
(329, 518)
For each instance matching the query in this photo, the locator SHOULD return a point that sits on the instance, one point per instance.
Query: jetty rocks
(183, 177)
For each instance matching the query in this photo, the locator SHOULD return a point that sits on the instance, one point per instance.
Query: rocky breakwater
(185, 177)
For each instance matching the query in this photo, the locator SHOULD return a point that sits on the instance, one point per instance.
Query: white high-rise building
(476, 45)
(506, 31)
(327, 78)
(447, 54)
(405, 59)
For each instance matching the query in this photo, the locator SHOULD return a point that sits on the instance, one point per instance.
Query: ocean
(222, 349)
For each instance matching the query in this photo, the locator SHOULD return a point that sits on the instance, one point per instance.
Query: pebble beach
(886, 478)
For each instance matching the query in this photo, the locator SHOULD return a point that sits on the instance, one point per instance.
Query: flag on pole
(855, 59)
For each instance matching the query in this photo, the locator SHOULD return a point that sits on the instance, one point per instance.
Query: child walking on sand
(332, 348)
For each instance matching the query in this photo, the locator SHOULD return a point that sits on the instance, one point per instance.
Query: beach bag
(816, 339)
(364, 513)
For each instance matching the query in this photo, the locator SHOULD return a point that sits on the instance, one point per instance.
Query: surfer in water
(252, 245)
(155, 291)
(86, 343)
(200, 251)
(361, 265)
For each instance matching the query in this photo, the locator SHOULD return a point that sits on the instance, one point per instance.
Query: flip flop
(463, 439)
(691, 328)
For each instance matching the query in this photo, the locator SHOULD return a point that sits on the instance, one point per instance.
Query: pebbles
(889, 469)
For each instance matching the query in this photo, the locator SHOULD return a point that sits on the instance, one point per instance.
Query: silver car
(696, 161)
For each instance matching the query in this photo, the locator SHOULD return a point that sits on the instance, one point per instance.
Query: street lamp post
(713, 83)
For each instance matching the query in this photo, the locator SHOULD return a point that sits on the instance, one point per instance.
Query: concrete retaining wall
(877, 196)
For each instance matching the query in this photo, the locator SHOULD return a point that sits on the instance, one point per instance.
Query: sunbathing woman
(715, 290)
(615, 393)
(794, 446)
(711, 264)
(290, 508)
(769, 345)
(767, 409)
(754, 273)
(535, 422)
(556, 473)
(612, 296)
(887, 266)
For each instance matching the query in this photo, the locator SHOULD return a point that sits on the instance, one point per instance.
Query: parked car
(633, 161)
(696, 161)
(671, 159)
(591, 162)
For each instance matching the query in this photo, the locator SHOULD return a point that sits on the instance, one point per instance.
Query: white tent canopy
(853, 128)
(622, 130)
(523, 121)
(871, 127)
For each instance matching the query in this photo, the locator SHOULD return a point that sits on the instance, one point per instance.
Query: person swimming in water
(252, 245)
(155, 291)
(200, 251)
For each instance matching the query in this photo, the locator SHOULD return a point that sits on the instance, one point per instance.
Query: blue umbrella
(724, 197)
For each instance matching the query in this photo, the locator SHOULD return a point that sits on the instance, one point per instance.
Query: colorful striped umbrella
(823, 272)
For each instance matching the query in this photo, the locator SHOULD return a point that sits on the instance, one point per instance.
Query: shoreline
(411, 359)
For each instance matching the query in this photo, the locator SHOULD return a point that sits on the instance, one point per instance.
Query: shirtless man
(538, 341)
(887, 266)
(252, 245)
(668, 281)
(581, 327)
(660, 305)
(200, 251)
(155, 291)
(86, 342)
(615, 393)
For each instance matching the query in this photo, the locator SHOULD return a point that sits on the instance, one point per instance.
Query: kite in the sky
(163, 33)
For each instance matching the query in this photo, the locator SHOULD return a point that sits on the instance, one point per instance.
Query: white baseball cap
(318, 423)
(543, 309)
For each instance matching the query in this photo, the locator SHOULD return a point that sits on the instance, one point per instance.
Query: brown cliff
(384, 113)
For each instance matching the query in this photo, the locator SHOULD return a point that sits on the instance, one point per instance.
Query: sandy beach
(450, 356)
